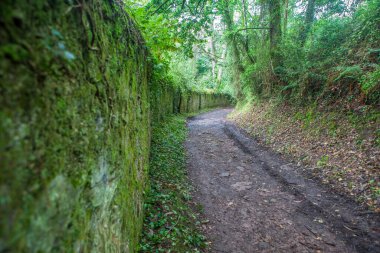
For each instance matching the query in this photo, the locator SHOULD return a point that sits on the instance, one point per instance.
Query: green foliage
(370, 84)
(170, 36)
(170, 223)
(339, 60)
(203, 65)
(365, 24)
(190, 17)
(183, 71)
(327, 42)
(308, 117)
(193, 74)
(159, 33)
(352, 72)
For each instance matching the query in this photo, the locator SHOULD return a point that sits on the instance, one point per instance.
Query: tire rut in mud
(256, 201)
(350, 225)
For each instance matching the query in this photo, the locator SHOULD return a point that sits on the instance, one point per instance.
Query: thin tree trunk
(213, 62)
(245, 23)
(220, 70)
(262, 12)
(246, 39)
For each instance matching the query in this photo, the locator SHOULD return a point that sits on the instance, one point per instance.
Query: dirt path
(256, 201)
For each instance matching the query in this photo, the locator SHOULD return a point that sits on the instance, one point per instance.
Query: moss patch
(74, 87)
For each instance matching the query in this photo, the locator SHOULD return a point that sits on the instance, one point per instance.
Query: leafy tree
(293, 49)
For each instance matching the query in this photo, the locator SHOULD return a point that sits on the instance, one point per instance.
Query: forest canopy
(298, 50)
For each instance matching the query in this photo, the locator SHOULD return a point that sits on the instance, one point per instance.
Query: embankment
(340, 148)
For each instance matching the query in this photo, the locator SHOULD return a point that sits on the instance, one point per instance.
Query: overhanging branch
(253, 28)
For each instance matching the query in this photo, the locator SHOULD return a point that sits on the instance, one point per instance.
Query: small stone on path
(242, 186)
(263, 245)
(225, 174)
(240, 168)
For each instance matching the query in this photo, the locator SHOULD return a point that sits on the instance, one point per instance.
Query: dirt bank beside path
(255, 201)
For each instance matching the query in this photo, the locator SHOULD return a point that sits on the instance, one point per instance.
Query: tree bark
(245, 23)
(263, 5)
(233, 48)
(286, 16)
(275, 31)
(213, 52)
(220, 70)
(309, 19)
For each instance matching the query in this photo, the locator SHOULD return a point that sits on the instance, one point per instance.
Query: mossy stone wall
(76, 108)
(166, 99)
(73, 153)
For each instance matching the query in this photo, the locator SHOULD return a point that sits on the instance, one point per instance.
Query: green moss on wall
(76, 107)
(167, 99)
(73, 153)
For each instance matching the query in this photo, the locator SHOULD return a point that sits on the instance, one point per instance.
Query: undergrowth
(170, 224)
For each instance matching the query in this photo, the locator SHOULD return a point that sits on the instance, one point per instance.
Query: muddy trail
(255, 201)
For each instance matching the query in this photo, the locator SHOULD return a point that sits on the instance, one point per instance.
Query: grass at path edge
(170, 222)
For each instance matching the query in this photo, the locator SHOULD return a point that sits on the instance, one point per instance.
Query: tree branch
(253, 28)
(159, 7)
(213, 56)
(190, 10)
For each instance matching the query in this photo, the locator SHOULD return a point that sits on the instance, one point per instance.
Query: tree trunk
(286, 16)
(234, 50)
(213, 52)
(263, 5)
(220, 70)
(275, 31)
(245, 23)
(309, 18)
(262, 11)
(245, 39)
